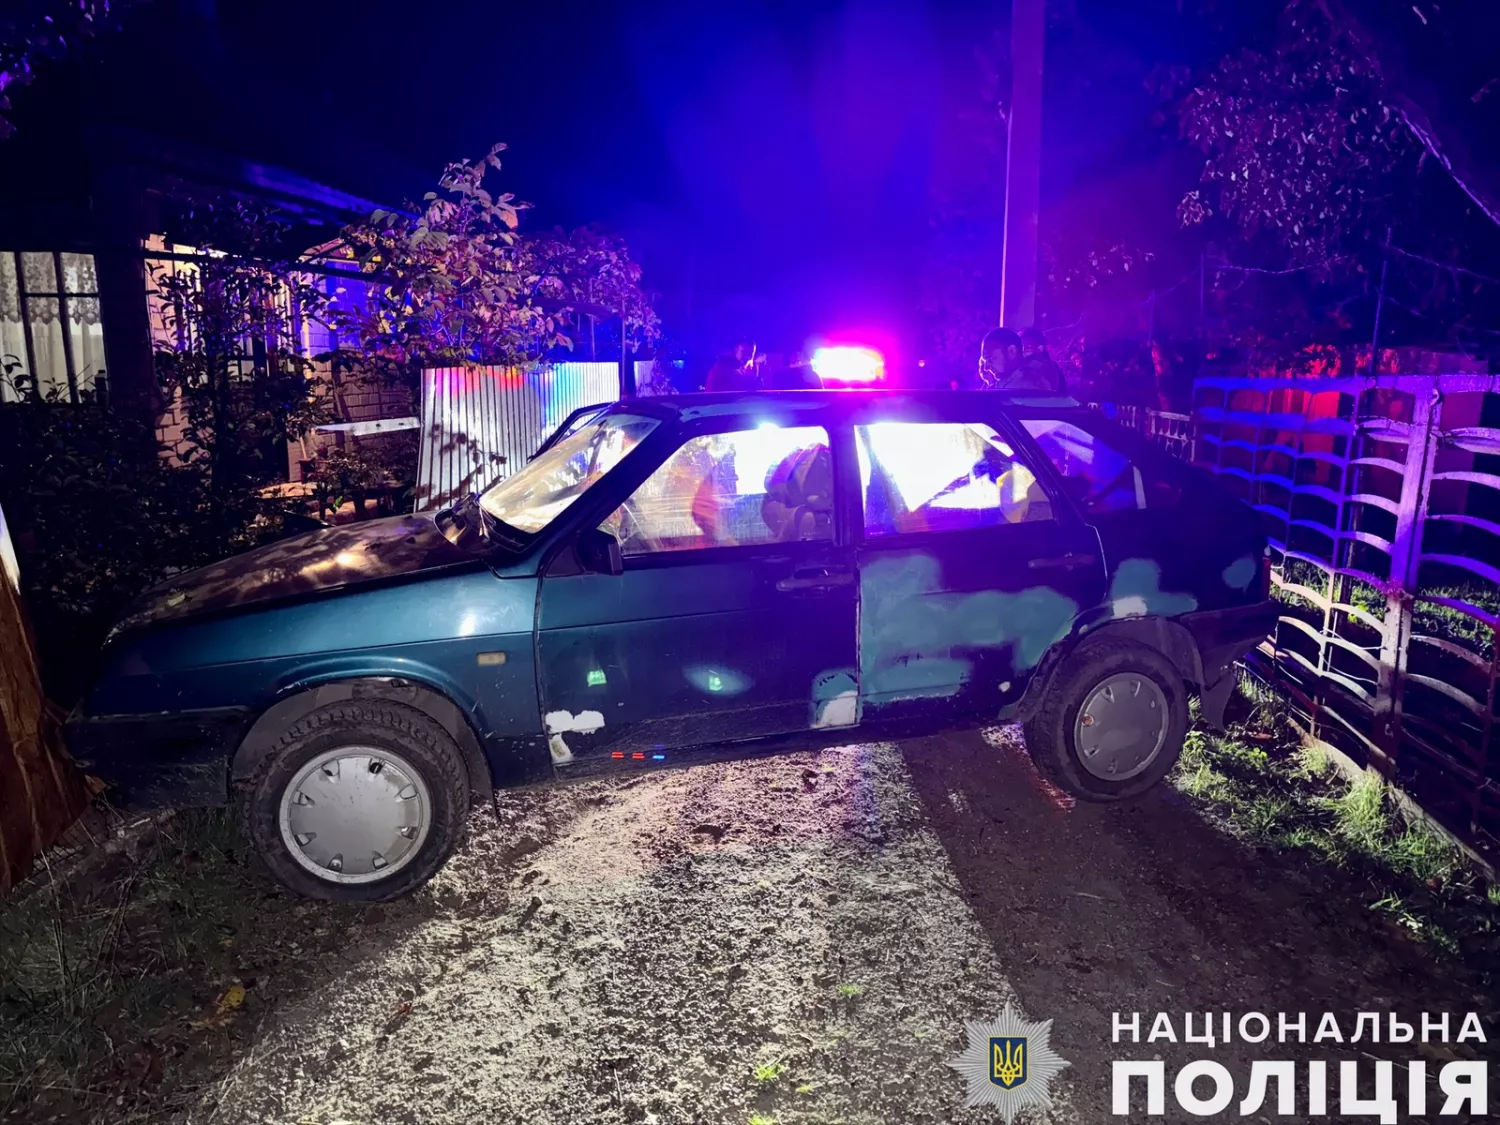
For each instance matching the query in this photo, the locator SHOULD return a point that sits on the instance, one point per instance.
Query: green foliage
(458, 283)
(340, 475)
(850, 991)
(452, 287)
(32, 31)
(1265, 786)
(570, 271)
(99, 516)
(232, 355)
(768, 1072)
(1454, 625)
(1297, 141)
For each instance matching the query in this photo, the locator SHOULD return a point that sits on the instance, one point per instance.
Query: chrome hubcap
(356, 814)
(1121, 726)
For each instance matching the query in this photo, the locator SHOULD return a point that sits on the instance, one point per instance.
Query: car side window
(764, 485)
(1097, 476)
(943, 476)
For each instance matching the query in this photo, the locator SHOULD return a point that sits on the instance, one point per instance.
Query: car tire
(1112, 723)
(377, 780)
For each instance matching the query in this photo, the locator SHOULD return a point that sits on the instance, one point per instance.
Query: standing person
(999, 359)
(1004, 366)
(736, 371)
(1035, 358)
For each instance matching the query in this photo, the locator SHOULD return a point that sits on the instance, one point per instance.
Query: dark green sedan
(680, 580)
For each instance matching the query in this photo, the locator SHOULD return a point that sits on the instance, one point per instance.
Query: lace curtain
(42, 311)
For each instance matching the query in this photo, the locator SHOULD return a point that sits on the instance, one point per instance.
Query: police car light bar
(844, 364)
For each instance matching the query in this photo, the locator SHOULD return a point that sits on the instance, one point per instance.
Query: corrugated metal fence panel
(480, 424)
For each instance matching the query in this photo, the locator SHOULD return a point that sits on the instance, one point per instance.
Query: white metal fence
(1382, 501)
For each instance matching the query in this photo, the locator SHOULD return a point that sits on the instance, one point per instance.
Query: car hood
(328, 559)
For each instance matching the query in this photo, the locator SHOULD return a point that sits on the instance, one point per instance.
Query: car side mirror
(599, 551)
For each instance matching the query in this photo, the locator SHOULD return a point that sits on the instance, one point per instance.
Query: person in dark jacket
(1039, 364)
(739, 370)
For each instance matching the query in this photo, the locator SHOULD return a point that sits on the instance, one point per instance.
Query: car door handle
(816, 578)
(1062, 562)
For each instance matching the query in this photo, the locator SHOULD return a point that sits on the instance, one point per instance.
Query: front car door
(734, 617)
(972, 565)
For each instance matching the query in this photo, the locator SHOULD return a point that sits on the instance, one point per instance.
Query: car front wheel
(358, 801)
(1112, 723)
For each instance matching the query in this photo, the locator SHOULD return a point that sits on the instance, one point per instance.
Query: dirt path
(795, 940)
(657, 941)
(1145, 907)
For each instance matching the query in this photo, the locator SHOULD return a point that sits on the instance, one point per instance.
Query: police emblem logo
(1008, 1060)
(1009, 1063)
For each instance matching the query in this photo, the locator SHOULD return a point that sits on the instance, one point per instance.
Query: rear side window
(943, 476)
(1099, 477)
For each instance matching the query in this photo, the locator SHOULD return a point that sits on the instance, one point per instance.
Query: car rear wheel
(358, 801)
(1112, 723)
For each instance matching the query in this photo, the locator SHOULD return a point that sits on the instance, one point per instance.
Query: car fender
(1171, 638)
(519, 761)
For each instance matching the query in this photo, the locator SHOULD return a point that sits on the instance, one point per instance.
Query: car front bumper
(174, 759)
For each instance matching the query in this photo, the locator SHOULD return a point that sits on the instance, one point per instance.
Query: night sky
(769, 163)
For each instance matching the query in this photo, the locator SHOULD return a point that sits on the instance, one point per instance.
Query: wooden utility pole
(41, 791)
(1023, 163)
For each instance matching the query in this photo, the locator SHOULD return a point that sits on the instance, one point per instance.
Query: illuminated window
(1099, 478)
(51, 341)
(943, 476)
(765, 485)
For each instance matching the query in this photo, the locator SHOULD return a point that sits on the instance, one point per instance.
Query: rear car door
(971, 566)
(1171, 545)
(735, 614)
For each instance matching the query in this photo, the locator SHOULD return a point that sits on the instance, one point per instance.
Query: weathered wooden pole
(41, 792)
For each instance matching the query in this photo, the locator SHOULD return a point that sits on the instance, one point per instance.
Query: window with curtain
(49, 326)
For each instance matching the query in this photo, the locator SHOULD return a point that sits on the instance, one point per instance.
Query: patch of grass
(762, 1119)
(1428, 619)
(1263, 785)
(1455, 625)
(768, 1072)
(1360, 815)
(99, 973)
(1361, 595)
(850, 991)
(1266, 815)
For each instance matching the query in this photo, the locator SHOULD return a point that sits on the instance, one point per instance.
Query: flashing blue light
(658, 757)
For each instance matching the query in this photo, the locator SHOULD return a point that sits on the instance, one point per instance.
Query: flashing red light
(846, 364)
(618, 754)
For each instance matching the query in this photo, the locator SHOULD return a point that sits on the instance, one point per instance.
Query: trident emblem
(1008, 1061)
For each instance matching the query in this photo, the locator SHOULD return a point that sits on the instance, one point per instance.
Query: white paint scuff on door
(560, 722)
(835, 700)
(840, 711)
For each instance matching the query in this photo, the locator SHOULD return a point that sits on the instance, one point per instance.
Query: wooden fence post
(41, 792)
